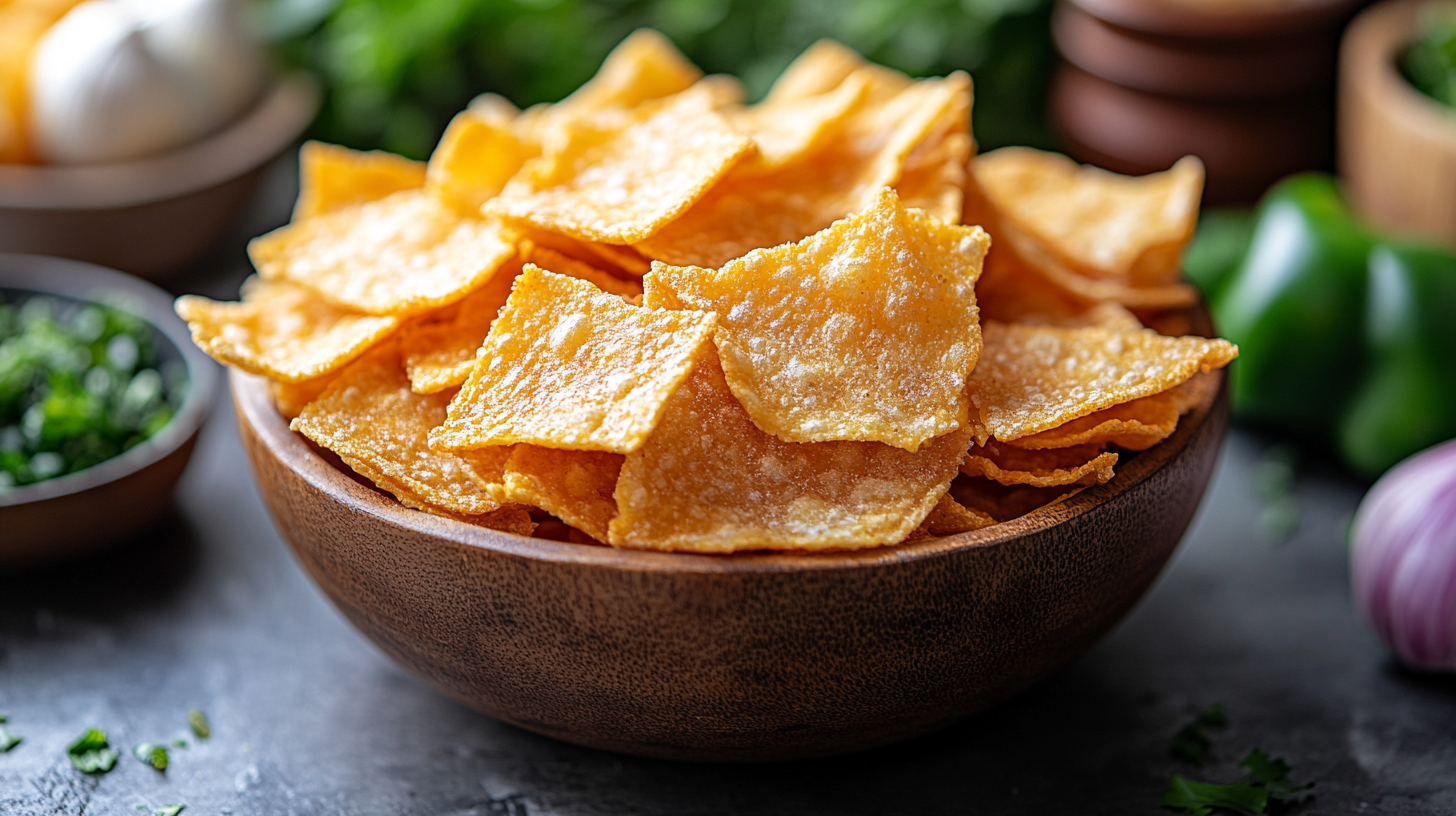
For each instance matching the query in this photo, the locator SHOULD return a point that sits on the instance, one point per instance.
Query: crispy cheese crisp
(568, 366)
(948, 518)
(281, 331)
(509, 518)
(332, 178)
(1033, 378)
(574, 486)
(474, 160)
(1136, 425)
(708, 480)
(786, 129)
(440, 354)
(619, 185)
(866, 331)
(750, 209)
(402, 255)
(822, 67)
(370, 415)
(1080, 465)
(292, 398)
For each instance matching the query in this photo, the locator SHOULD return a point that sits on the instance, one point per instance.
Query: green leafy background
(396, 70)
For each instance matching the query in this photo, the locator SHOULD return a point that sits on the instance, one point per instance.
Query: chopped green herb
(9, 740)
(1200, 798)
(169, 810)
(79, 384)
(179, 743)
(1213, 716)
(4, 718)
(152, 754)
(1273, 774)
(1191, 743)
(91, 753)
(198, 721)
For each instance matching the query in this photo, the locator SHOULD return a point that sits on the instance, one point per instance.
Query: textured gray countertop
(212, 613)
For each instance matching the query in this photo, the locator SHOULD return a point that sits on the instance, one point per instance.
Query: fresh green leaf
(1190, 744)
(152, 754)
(169, 810)
(91, 753)
(9, 740)
(198, 721)
(1200, 798)
(179, 743)
(1273, 773)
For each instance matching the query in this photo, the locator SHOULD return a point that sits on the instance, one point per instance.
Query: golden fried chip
(750, 209)
(619, 185)
(292, 398)
(1033, 378)
(822, 67)
(332, 178)
(370, 415)
(553, 261)
(568, 366)
(1136, 425)
(934, 176)
(440, 354)
(509, 518)
(1039, 261)
(708, 480)
(402, 255)
(619, 260)
(1006, 502)
(786, 129)
(1080, 465)
(866, 331)
(949, 518)
(474, 160)
(281, 331)
(574, 486)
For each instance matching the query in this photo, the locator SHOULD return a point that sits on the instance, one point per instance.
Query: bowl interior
(73, 283)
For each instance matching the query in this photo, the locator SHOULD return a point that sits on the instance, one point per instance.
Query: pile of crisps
(653, 317)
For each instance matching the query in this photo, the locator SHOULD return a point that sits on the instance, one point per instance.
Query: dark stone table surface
(211, 612)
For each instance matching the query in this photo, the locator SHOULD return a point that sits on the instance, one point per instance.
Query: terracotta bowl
(747, 657)
(123, 496)
(151, 216)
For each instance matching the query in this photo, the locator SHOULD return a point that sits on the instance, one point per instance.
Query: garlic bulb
(121, 79)
(1403, 558)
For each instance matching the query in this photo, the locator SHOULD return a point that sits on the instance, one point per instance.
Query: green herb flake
(152, 754)
(179, 743)
(198, 721)
(9, 740)
(91, 753)
(1200, 798)
(1191, 743)
(169, 810)
(1273, 774)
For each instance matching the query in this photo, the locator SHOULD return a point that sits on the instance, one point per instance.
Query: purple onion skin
(1403, 558)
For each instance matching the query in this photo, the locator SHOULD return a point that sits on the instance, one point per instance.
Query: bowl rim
(1371, 46)
(258, 413)
(78, 280)
(275, 120)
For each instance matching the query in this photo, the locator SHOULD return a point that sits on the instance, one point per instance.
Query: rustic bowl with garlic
(131, 131)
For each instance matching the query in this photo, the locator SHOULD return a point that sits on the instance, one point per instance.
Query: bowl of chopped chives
(101, 398)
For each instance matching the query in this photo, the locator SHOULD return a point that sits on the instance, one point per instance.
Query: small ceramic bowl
(151, 216)
(121, 497)
(746, 657)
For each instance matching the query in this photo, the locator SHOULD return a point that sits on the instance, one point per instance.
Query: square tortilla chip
(750, 209)
(574, 486)
(1136, 425)
(292, 398)
(553, 261)
(440, 354)
(619, 185)
(708, 480)
(820, 69)
(402, 255)
(1033, 378)
(568, 366)
(787, 129)
(332, 178)
(623, 261)
(474, 160)
(948, 518)
(866, 331)
(281, 331)
(369, 415)
(1059, 467)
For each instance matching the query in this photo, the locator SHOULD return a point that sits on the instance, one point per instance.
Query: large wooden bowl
(732, 658)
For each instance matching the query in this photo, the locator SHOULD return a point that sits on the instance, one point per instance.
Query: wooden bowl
(123, 496)
(1397, 146)
(732, 658)
(151, 216)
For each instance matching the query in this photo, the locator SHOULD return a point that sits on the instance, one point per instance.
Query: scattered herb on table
(8, 740)
(179, 743)
(169, 810)
(1191, 743)
(1267, 779)
(1273, 773)
(152, 754)
(80, 383)
(198, 721)
(91, 753)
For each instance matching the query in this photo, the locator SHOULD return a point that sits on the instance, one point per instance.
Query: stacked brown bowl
(1246, 86)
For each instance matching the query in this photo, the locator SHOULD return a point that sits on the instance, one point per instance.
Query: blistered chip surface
(474, 160)
(569, 366)
(333, 178)
(574, 486)
(439, 354)
(866, 331)
(281, 331)
(1135, 425)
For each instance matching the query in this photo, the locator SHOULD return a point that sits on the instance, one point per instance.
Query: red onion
(1403, 558)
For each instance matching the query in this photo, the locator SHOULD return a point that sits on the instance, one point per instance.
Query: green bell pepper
(1295, 305)
(1407, 401)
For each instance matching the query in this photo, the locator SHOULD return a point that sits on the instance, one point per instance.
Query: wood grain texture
(1397, 146)
(748, 657)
